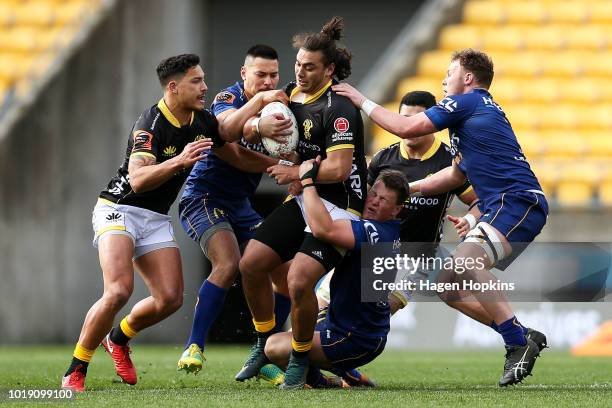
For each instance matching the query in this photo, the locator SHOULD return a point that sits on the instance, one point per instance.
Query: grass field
(406, 379)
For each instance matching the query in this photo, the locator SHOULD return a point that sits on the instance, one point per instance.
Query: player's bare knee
(224, 274)
(170, 302)
(299, 286)
(116, 296)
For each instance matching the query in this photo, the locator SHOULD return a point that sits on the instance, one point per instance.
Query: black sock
(117, 336)
(300, 354)
(77, 365)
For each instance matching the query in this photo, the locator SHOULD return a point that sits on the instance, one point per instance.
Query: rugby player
(485, 149)
(353, 332)
(215, 208)
(331, 127)
(130, 220)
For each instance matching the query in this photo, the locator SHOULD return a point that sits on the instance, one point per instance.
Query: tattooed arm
(146, 175)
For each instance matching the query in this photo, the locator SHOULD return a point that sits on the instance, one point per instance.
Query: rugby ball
(272, 146)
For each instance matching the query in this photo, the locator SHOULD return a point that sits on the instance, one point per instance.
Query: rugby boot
(519, 359)
(295, 375)
(191, 360)
(75, 381)
(257, 359)
(354, 378)
(272, 374)
(121, 358)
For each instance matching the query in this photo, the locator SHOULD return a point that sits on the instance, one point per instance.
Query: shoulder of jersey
(228, 95)
(150, 118)
(339, 100)
(387, 150)
(289, 87)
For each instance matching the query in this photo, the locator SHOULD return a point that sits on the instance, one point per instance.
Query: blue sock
(512, 332)
(210, 303)
(282, 307)
(496, 327)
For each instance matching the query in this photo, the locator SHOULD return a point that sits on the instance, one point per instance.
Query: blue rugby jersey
(347, 312)
(483, 143)
(213, 175)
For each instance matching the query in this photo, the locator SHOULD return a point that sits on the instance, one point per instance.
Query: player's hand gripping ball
(272, 146)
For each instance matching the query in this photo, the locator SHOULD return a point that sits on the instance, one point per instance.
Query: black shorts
(283, 231)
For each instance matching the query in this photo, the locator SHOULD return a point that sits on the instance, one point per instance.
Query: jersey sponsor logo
(120, 184)
(423, 201)
(448, 104)
(342, 137)
(490, 102)
(256, 147)
(217, 211)
(143, 140)
(309, 146)
(307, 126)
(225, 97)
(318, 254)
(355, 180)
(169, 151)
(113, 217)
(371, 232)
(341, 125)
(199, 137)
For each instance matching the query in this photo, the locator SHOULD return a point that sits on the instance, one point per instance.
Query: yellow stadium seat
(14, 66)
(7, 15)
(561, 64)
(597, 64)
(457, 37)
(484, 12)
(526, 12)
(547, 174)
(433, 65)
(506, 91)
(599, 144)
(531, 144)
(574, 12)
(503, 39)
(600, 12)
(605, 194)
(574, 194)
(431, 85)
(586, 38)
(71, 12)
(522, 116)
(540, 90)
(517, 64)
(545, 38)
(34, 13)
(597, 116)
(556, 116)
(560, 146)
(585, 90)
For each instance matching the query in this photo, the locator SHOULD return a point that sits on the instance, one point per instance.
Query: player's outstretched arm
(146, 175)
(231, 124)
(244, 159)
(441, 182)
(393, 122)
(323, 227)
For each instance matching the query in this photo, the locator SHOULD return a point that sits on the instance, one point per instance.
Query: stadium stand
(553, 77)
(32, 34)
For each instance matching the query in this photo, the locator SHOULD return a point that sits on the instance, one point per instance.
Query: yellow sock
(266, 326)
(126, 329)
(301, 346)
(82, 353)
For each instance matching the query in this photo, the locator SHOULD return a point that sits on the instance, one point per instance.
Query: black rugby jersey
(422, 218)
(157, 133)
(328, 122)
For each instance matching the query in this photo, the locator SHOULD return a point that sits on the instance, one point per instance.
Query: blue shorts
(200, 213)
(519, 215)
(346, 351)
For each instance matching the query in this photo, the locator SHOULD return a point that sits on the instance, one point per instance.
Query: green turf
(406, 379)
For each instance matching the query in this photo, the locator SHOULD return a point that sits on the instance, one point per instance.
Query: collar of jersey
(168, 115)
(314, 96)
(430, 152)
